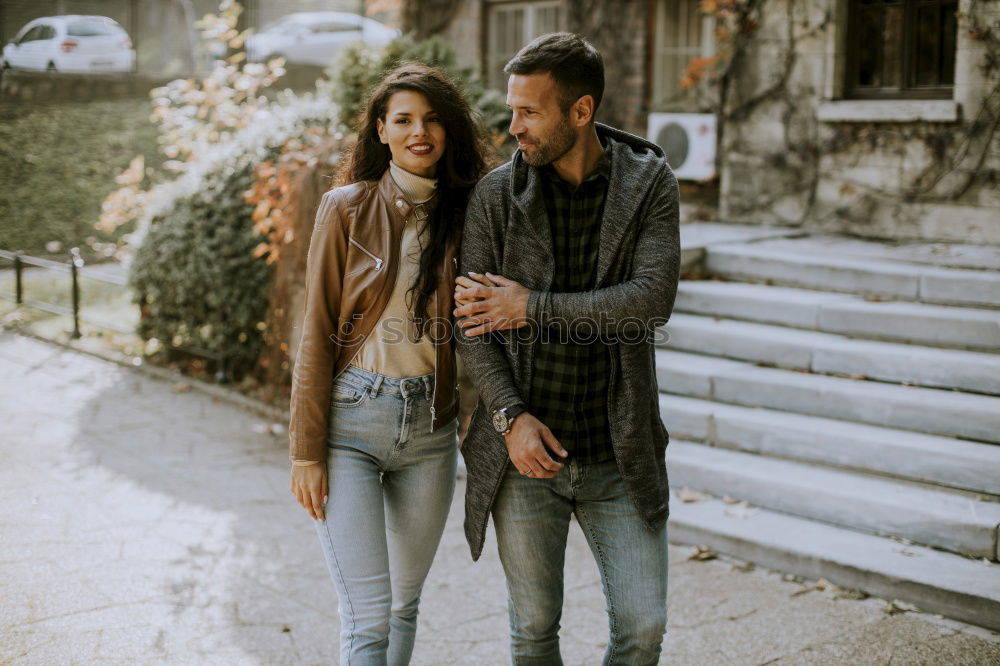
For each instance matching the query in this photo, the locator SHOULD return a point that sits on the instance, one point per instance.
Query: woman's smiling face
(413, 131)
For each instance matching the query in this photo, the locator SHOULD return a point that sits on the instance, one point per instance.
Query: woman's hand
(499, 304)
(462, 283)
(310, 488)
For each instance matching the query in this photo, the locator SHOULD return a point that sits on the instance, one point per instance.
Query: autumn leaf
(703, 554)
(688, 495)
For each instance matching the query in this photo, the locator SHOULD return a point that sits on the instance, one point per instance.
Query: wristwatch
(503, 418)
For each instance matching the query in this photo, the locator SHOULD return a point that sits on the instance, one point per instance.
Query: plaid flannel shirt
(569, 391)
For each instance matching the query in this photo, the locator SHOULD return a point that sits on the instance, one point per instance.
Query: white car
(71, 43)
(315, 38)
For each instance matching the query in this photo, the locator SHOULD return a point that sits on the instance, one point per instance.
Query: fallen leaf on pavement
(702, 554)
(181, 387)
(895, 607)
(846, 593)
(688, 495)
(741, 510)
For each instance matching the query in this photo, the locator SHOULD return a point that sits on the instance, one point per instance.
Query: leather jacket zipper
(391, 286)
(378, 262)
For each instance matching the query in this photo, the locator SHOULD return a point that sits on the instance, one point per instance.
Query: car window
(22, 36)
(48, 32)
(334, 27)
(93, 28)
(26, 37)
(37, 33)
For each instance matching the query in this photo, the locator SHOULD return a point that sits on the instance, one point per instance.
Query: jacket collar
(399, 206)
(635, 163)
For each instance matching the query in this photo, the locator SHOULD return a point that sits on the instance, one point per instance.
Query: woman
(374, 393)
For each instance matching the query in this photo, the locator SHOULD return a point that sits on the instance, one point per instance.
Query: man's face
(543, 131)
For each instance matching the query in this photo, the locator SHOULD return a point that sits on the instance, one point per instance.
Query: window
(38, 33)
(30, 36)
(322, 28)
(901, 49)
(511, 26)
(683, 33)
(93, 28)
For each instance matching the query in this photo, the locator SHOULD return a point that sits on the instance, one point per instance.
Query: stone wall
(794, 153)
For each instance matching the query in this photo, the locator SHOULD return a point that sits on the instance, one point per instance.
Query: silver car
(71, 43)
(315, 38)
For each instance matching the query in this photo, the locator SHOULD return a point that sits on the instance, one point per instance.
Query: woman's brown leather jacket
(350, 274)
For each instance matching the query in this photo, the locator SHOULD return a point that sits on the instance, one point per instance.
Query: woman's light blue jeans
(391, 485)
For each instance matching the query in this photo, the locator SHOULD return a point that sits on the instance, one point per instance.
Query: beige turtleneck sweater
(391, 349)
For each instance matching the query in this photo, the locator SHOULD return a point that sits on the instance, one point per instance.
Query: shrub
(193, 260)
(195, 278)
(360, 68)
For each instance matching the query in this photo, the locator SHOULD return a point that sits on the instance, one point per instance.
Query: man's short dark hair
(571, 60)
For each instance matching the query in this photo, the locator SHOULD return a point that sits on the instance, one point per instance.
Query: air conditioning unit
(688, 139)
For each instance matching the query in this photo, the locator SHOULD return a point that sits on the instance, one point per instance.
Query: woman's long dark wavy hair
(460, 167)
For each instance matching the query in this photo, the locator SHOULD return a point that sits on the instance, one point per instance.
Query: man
(575, 247)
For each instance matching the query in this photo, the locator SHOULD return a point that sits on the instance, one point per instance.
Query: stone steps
(936, 411)
(933, 580)
(831, 353)
(897, 279)
(849, 392)
(955, 463)
(929, 516)
(847, 314)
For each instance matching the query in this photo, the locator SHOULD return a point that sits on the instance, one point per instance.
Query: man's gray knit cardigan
(507, 233)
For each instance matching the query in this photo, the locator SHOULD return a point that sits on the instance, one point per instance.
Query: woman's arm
(317, 351)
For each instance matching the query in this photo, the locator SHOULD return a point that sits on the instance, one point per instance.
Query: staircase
(849, 393)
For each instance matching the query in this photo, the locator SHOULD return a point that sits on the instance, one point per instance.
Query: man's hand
(526, 443)
(492, 308)
(309, 485)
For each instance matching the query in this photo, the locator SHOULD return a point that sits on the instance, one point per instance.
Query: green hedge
(194, 276)
(59, 161)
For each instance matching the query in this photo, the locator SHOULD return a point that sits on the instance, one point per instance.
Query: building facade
(872, 117)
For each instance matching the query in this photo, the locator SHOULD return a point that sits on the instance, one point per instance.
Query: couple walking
(556, 268)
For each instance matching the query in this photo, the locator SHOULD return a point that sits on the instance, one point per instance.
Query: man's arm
(483, 356)
(646, 298)
(648, 295)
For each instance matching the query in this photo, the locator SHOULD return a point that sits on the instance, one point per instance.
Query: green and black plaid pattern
(569, 391)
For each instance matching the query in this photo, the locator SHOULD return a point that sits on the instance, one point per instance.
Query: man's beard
(563, 139)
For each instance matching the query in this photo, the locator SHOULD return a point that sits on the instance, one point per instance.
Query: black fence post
(75, 263)
(18, 287)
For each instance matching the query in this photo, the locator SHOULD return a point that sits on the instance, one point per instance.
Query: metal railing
(76, 269)
(74, 266)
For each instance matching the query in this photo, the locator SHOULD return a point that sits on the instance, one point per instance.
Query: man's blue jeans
(532, 519)
(391, 484)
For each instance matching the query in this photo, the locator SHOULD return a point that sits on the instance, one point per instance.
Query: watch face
(499, 421)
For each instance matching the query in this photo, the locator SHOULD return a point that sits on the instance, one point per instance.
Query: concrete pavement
(143, 522)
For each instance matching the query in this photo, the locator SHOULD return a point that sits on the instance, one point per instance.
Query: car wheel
(51, 67)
